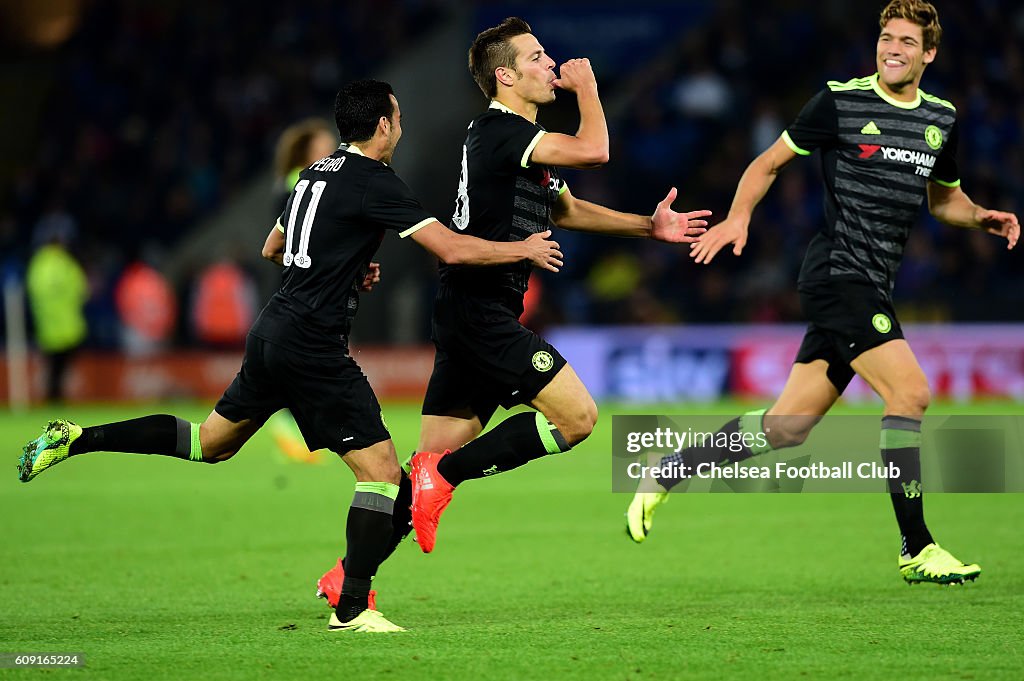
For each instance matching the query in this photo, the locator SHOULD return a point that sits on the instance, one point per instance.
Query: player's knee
(219, 444)
(215, 450)
(382, 469)
(391, 472)
(911, 399)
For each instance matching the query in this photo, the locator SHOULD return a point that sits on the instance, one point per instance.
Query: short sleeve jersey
(333, 223)
(877, 156)
(501, 197)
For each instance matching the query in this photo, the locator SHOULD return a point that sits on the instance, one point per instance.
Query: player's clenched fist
(576, 74)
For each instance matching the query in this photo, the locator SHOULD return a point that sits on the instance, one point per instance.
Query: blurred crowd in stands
(157, 114)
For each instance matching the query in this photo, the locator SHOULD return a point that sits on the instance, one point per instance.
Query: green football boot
(367, 622)
(936, 565)
(49, 449)
(640, 514)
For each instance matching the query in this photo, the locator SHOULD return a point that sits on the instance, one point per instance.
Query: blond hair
(292, 150)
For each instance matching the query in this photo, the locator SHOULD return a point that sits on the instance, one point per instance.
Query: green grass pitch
(163, 569)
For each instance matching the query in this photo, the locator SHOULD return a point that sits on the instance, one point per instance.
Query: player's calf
(783, 431)
(576, 424)
(516, 441)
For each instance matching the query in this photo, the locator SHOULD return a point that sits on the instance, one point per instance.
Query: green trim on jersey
(792, 145)
(525, 160)
(895, 102)
(871, 83)
(936, 100)
(852, 84)
(417, 227)
(945, 184)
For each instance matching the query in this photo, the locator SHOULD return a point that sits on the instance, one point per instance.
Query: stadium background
(144, 131)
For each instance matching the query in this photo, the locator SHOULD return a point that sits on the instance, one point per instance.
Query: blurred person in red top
(146, 306)
(224, 306)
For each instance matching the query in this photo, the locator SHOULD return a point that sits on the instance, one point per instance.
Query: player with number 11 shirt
(296, 354)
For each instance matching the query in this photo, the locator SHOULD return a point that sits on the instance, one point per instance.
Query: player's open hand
(542, 252)
(575, 74)
(729, 231)
(371, 278)
(677, 228)
(1001, 224)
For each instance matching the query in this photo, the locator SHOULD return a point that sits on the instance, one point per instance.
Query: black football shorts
(484, 357)
(847, 317)
(329, 396)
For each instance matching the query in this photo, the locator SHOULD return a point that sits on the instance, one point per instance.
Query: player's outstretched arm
(664, 225)
(462, 249)
(951, 206)
(754, 184)
(273, 247)
(588, 148)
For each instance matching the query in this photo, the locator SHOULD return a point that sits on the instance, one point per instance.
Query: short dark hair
(359, 106)
(491, 49)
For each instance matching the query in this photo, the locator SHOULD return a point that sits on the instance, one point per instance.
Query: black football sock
(368, 533)
(737, 440)
(161, 434)
(401, 519)
(901, 447)
(519, 439)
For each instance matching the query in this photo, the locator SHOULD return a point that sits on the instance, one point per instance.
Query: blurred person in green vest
(57, 292)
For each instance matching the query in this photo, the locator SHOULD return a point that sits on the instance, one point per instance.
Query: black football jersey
(501, 197)
(878, 154)
(333, 223)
